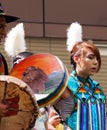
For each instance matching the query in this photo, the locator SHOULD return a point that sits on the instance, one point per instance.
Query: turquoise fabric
(91, 105)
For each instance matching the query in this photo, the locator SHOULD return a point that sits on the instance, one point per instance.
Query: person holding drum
(88, 111)
(4, 19)
(31, 76)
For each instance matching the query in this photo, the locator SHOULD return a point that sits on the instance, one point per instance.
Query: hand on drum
(54, 119)
(3, 109)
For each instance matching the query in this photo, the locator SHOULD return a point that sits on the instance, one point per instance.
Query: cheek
(87, 61)
(24, 79)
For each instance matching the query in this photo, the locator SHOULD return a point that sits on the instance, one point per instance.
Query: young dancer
(88, 99)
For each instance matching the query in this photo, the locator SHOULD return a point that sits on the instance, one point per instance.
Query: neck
(81, 77)
(83, 80)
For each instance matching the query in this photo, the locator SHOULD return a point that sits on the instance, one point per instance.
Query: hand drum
(22, 106)
(45, 73)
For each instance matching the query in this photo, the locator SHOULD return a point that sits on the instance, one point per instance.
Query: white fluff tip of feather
(15, 40)
(74, 35)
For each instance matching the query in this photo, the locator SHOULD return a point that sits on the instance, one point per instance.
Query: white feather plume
(15, 40)
(74, 35)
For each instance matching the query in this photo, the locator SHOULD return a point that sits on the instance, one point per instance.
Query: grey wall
(51, 18)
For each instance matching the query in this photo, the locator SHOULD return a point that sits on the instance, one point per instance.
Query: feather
(15, 40)
(74, 35)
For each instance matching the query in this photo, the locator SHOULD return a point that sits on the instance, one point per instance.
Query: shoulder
(73, 84)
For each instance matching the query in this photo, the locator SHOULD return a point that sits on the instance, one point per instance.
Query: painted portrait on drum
(35, 78)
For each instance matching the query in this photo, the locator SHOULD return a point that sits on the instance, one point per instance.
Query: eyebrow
(91, 54)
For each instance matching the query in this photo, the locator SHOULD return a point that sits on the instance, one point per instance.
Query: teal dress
(89, 111)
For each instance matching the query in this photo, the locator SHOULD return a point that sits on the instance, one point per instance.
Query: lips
(94, 69)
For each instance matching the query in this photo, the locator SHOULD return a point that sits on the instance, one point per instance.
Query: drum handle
(4, 95)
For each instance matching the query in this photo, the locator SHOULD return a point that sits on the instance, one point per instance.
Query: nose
(95, 61)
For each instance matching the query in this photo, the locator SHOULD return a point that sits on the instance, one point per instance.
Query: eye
(24, 74)
(2, 26)
(91, 57)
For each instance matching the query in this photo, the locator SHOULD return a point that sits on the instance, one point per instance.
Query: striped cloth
(89, 113)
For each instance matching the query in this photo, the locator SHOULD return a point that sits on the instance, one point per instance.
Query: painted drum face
(22, 105)
(45, 74)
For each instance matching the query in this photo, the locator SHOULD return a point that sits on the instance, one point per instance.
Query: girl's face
(86, 64)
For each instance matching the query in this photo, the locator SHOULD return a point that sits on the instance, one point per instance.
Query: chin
(92, 74)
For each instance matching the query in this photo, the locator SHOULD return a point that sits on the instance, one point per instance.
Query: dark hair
(22, 56)
(80, 47)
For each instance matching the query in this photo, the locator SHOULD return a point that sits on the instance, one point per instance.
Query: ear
(76, 59)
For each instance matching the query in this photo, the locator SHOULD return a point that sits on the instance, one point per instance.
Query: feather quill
(74, 35)
(15, 40)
